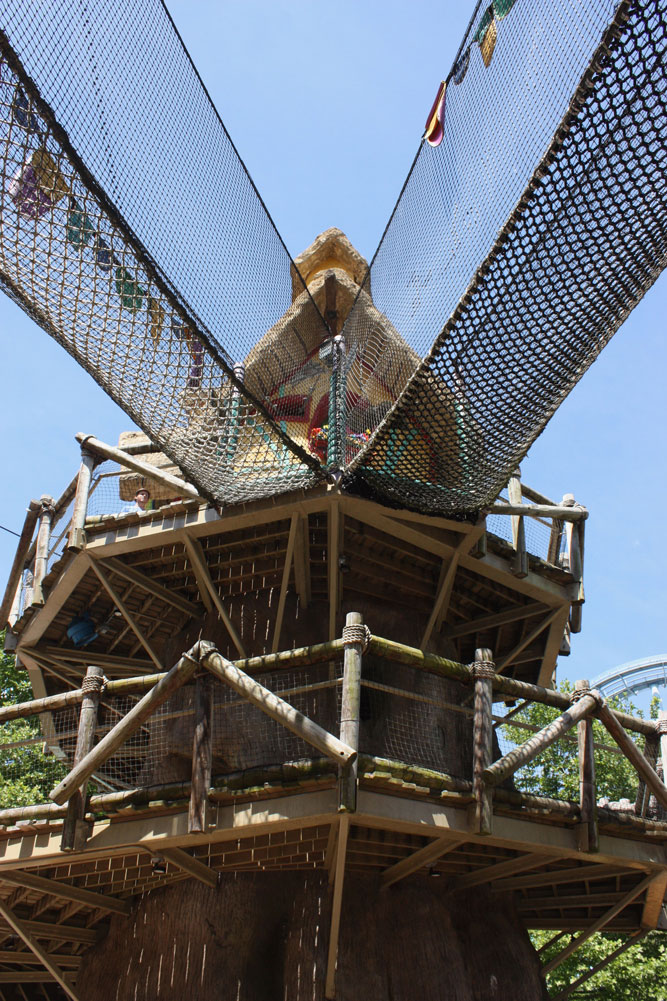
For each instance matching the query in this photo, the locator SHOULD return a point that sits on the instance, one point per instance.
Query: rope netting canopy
(532, 221)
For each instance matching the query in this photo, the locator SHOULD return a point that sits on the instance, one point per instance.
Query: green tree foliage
(27, 774)
(640, 973)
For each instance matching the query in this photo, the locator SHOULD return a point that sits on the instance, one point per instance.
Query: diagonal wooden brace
(633, 754)
(275, 707)
(172, 680)
(520, 756)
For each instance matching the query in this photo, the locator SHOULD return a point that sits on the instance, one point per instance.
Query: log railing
(485, 785)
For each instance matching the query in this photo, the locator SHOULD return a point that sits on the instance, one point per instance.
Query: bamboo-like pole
(180, 487)
(633, 754)
(522, 755)
(76, 540)
(482, 739)
(354, 640)
(19, 560)
(202, 758)
(540, 511)
(177, 676)
(75, 829)
(47, 506)
(275, 707)
(37, 706)
(589, 840)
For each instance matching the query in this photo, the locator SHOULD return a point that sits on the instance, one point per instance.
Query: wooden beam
(490, 873)
(596, 926)
(552, 647)
(186, 862)
(522, 644)
(180, 487)
(654, 900)
(632, 753)
(629, 942)
(276, 708)
(61, 655)
(442, 598)
(30, 959)
(376, 516)
(539, 742)
(30, 977)
(499, 619)
(181, 672)
(65, 891)
(170, 597)
(578, 874)
(330, 857)
(62, 932)
(206, 586)
(289, 555)
(22, 930)
(302, 562)
(568, 514)
(123, 609)
(430, 853)
(336, 905)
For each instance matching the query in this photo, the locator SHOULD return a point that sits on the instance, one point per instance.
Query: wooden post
(75, 829)
(354, 638)
(588, 828)
(15, 574)
(633, 754)
(166, 686)
(661, 730)
(483, 672)
(42, 550)
(76, 540)
(202, 758)
(520, 562)
(651, 749)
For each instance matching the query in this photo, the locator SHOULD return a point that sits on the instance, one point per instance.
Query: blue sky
(326, 104)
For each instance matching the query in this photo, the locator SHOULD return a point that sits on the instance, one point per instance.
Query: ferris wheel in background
(634, 677)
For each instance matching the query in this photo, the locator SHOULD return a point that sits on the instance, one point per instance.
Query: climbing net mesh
(519, 244)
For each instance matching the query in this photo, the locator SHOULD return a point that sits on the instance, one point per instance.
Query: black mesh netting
(131, 231)
(585, 237)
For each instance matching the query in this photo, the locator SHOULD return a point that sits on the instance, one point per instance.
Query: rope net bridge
(531, 223)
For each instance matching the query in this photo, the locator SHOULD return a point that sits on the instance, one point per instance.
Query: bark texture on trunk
(264, 937)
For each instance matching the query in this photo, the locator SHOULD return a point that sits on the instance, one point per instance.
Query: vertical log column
(202, 751)
(483, 670)
(355, 638)
(42, 549)
(75, 829)
(587, 832)
(651, 749)
(661, 730)
(77, 538)
(515, 494)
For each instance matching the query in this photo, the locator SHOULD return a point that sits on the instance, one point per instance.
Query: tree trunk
(264, 937)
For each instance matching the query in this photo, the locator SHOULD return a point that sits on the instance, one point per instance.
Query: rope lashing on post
(483, 669)
(580, 693)
(93, 684)
(357, 634)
